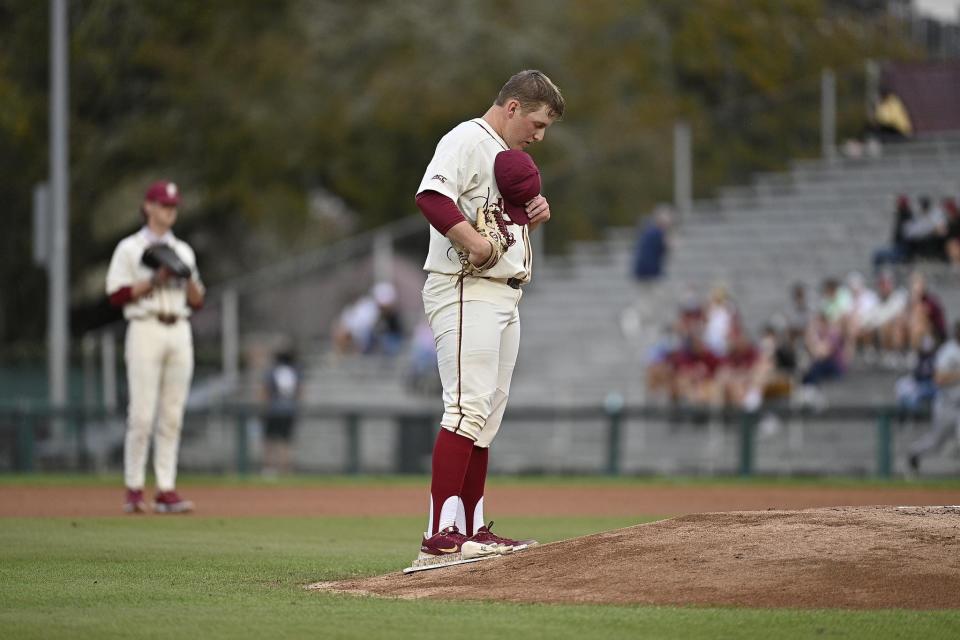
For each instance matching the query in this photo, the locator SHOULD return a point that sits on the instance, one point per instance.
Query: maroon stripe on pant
(459, 368)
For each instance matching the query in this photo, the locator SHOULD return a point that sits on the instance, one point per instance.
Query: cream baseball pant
(944, 422)
(476, 325)
(159, 361)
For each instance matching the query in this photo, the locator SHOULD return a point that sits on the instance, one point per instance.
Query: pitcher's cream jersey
(126, 268)
(462, 170)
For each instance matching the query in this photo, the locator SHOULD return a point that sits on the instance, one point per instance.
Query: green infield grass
(196, 577)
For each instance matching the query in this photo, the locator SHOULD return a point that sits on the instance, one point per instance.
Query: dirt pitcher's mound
(850, 557)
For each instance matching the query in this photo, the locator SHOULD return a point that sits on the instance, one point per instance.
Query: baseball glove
(162, 255)
(493, 229)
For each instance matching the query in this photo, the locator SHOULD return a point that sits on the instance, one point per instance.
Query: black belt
(163, 318)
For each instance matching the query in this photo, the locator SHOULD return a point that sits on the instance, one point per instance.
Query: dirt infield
(533, 500)
(844, 557)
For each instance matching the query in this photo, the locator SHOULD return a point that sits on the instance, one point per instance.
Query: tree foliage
(250, 105)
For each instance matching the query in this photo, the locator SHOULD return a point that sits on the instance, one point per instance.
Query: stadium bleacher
(810, 222)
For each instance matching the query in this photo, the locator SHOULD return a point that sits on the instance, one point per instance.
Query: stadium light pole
(828, 116)
(59, 256)
(682, 170)
(873, 86)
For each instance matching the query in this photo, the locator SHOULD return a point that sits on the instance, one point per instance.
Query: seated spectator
(798, 316)
(890, 121)
(388, 329)
(824, 343)
(423, 375)
(899, 250)
(652, 245)
(371, 324)
(353, 331)
(864, 301)
(690, 318)
(925, 232)
(773, 373)
(883, 329)
(835, 301)
(736, 373)
(925, 314)
(659, 361)
(695, 369)
(951, 240)
(720, 322)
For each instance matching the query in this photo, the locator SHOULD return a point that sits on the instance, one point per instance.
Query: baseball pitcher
(481, 196)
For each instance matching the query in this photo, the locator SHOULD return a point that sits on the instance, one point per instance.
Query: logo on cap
(163, 192)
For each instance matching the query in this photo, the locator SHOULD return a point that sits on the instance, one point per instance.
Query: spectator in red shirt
(925, 314)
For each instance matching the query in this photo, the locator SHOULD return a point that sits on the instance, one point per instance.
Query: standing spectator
(652, 246)
(281, 391)
(946, 406)
(899, 250)
(159, 347)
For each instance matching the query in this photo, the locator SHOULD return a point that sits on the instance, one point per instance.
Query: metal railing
(75, 436)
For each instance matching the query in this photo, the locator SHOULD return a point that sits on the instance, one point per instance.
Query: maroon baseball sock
(472, 492)
(451, 456)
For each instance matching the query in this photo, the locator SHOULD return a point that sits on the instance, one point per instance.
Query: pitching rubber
(439, 562)
(469, 552)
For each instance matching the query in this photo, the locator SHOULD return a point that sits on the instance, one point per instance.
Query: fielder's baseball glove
(162, 255)
(493, 229)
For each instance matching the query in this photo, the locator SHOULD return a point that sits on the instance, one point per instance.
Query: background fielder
(945, 419)
(475, 319)
(158, 350)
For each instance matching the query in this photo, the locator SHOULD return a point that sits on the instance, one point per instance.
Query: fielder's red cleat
(134, 502)
(170, 502)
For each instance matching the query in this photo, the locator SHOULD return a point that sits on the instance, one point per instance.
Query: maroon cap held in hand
(519, 182)
(163, 192)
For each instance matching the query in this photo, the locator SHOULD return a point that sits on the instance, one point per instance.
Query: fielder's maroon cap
(163, 192)
(519, 182)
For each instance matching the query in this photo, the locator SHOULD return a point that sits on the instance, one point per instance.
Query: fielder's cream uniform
(159, 357)
(945, 420)
(475, 320)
